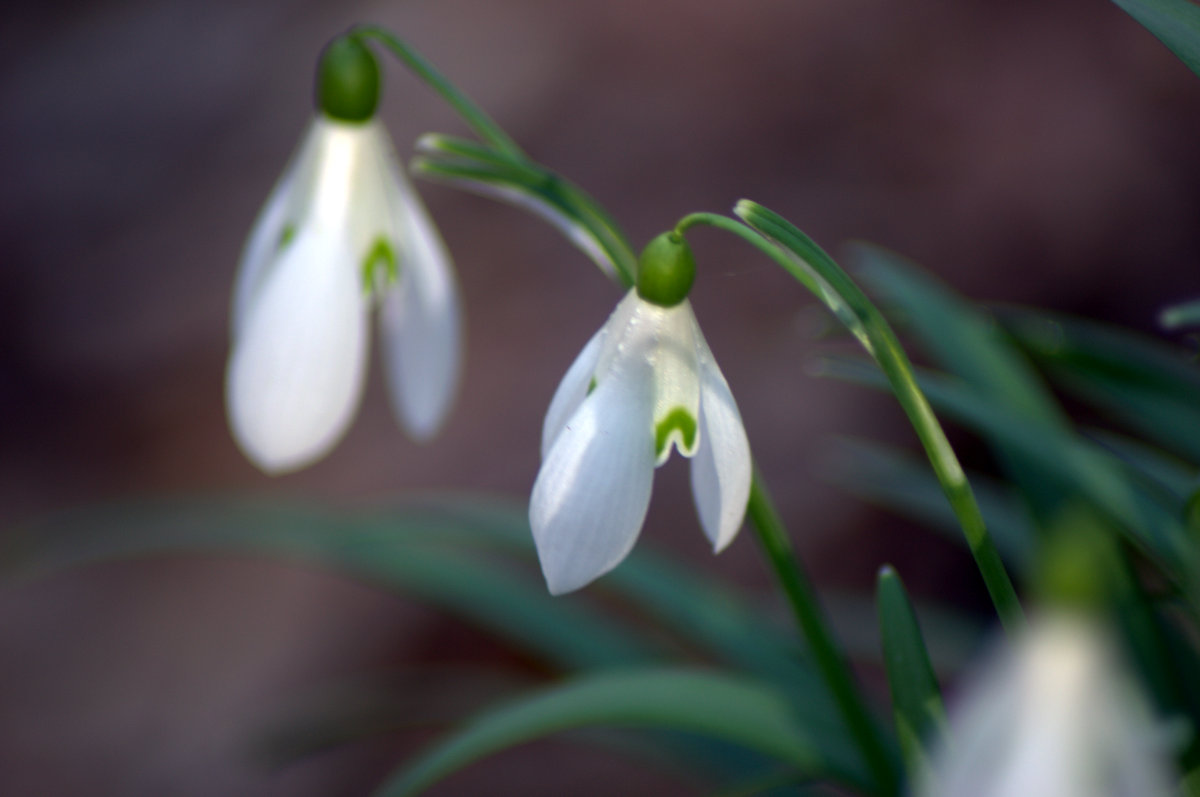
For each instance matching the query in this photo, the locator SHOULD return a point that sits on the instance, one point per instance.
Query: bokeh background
(1033, 152)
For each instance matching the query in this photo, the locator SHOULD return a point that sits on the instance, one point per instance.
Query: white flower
(343, 226)
(1054, 717)
(644, 383)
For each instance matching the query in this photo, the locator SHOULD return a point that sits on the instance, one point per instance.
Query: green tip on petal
(680, 425)
(666, 270)
(347, 80)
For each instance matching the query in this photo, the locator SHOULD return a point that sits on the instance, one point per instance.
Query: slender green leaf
(916, 699)
(413, 552)
(966, 341)
(721, 707)
(534, 188)
(810, 264)
(1095, 475)
(1148, 385)
(1176, 479)
(901, 482)
(1176, 23)
(961, 337)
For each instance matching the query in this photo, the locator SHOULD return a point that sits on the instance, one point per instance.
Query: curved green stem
(804, 260)
(834, 668)
(475, 116)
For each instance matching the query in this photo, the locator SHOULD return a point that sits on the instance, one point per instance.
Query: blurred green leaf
(1175, 478)
(1150, 386)
(903, 483)
(456, 552)
(420, 551)
(821, 274)
(721, 707)
(1092, 473)
(916, 699)
(1176, 23)
(480, 169)
(966, 341)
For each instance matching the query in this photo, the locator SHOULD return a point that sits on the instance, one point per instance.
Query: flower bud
(666, 270)
(347, 80)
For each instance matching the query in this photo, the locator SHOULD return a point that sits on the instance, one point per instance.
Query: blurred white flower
(1056, 716)
(644, 383)
(342, 228)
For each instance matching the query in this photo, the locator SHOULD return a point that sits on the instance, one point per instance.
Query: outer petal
(420, 318)
(296, 372)
(572, 390)
(591, 495)
(262, 245)
(721, 468)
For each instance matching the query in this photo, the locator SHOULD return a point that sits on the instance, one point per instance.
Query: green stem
(474, 116)
(831, 285)
(834, 668)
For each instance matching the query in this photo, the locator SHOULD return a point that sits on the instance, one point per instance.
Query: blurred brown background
(1037, 152)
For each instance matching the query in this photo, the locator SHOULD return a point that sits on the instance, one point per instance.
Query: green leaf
(903, 484)
(1175, 478)
(720, 707)
(1148, 385)
(532, 187)
(815, 269)
(966, 341)
(1176, 23)
(423, 550)
(916, 699)
(1092, 473)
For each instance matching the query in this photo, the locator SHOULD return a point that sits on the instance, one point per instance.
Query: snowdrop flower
(1054, 717)
(342, 230)
(646, 382)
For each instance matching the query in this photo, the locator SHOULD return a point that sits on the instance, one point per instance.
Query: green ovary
(677, 419)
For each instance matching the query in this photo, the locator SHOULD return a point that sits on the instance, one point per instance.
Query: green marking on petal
(381, 255)
(677, 419)
(286, 236)
(591, 386)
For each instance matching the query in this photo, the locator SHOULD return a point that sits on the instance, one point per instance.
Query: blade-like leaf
(966, 341)
(902, 482)
(413, 552)
(1095, 475)
(1176, 23)
(720, 707)
(916, 699)
(1148, 385)
(817, 271)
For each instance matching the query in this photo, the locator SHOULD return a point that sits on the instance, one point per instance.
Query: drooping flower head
(644, 384)
(342, 230)
(1054, 716)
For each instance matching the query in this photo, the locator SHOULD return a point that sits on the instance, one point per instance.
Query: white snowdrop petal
(260, 249)
(721, 468)
(1054, 715)
(677, 381)
(592, 492)
(420, 317)
(571, 390)
(296, 371)
(281, 210)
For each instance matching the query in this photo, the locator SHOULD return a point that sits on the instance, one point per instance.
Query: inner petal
(677, 383)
